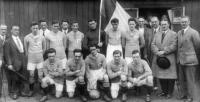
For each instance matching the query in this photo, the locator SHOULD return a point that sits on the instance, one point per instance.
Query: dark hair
(93, 45)
(90, 20)
(42, 20)
(135, 52)
(65, 20)
(117, 52)
(132, 19)
(77, 51)
(55, 22)
(33, 23)
(50, 50)
(114, 20)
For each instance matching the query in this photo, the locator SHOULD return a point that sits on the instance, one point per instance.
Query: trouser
(104, 90)
(1, 77)
(188, 81)
(167, 85)
(115, 87)
(16, 83)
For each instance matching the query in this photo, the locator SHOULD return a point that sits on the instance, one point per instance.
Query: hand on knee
(105, 78)
(94, 94)
(70, 94)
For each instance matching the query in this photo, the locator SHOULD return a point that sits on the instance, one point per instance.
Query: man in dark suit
(148, 37)
(3, 31)
(16, 64)
(188, 60)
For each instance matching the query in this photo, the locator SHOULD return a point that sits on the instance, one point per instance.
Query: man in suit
(43, 28)
(16, 64)
(3, 31)
(165, 45)
(148, 37)
(65, 25)
(188, 59)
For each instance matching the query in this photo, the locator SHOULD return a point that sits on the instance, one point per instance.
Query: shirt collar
(185, 29)
(156, 29)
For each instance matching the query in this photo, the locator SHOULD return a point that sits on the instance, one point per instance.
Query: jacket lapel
(14, 44)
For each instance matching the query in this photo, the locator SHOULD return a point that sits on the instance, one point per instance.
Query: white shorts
(70, 85)
(33, 66)
(146, 81)
(115, 89)
(47, 80)
(128, 60)
(93, 76)
(110, 50)
(64, 61)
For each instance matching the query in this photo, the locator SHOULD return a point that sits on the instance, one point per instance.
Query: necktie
(19, 45)
(65, 32)
(163, 36)
(43, 33)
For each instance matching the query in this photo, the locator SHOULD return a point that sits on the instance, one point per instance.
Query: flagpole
(101, 3)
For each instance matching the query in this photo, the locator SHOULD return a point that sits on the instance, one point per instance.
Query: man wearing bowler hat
(164, 46)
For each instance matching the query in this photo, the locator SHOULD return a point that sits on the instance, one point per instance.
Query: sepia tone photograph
(99, 51)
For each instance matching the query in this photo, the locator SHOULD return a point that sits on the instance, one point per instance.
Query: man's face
(117, 57)
(3, 30)
(164, 25)
(75, 27)
(51, 56)
(77, 56)
(35, 29)
(154, 22)
(132, 25)
(43, 25)
(55, 27)
(141, 22)
(185, 22)
(93, 50)
(115, 25)
(92, 24)
(15, 30)
(136, 57)
(65, 25)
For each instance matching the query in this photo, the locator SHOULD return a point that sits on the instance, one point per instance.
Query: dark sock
(81, 89)
(31, 87)
(46, 90)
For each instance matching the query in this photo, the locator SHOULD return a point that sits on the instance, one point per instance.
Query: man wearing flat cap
(163, 47)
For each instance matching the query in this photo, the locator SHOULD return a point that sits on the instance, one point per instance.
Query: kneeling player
(54, 75)
(140, 74)
(75, 71)
(96, 74)
(117, 72)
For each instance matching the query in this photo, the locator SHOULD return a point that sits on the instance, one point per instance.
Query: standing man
(74, 39)
(165, 45)
(97, 78)
(35, 46)
(3, 31)
(140, 74)
(57, 40)
(75, 74)
(114, 39)
(43, 28)
(117, 71)
(53, 75)
(65, 26)
(133, 40)
(16, 64)
(92, 37)
(148, 37)
(188, 59)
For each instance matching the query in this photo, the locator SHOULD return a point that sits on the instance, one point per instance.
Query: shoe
(106, 98)
(168, 96)
(84, 99)
(188, 100)
(148, 98)
(161, 94)
(183, 97)
(124, 97)
(43, 99)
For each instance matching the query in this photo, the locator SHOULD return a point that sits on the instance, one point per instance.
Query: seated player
(53, 75)
(75, 71)
(97, 78)
(140, 74)
(117, 71)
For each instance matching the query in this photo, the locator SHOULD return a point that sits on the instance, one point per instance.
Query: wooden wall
(23, 12)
